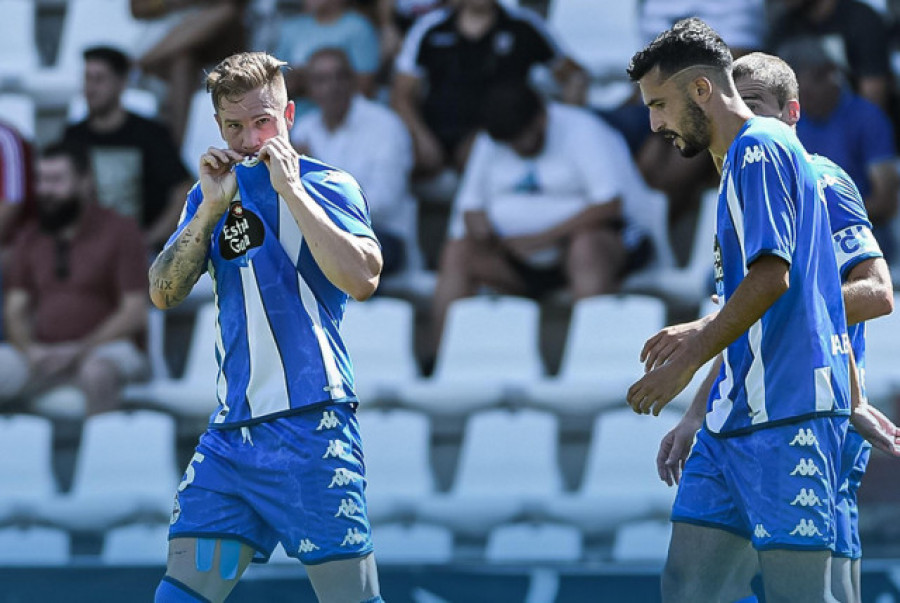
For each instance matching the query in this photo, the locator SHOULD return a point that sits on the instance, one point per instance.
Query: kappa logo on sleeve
(752, 155)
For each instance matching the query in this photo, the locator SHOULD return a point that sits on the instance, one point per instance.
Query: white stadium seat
(18, 49)
(35, 545)
(18, 111)
(646, 540)
(26, 471)
(136, 544)
(416, 543)
(534, 543)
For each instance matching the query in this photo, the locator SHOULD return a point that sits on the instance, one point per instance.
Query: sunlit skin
(673, 114)
(764, 103)
(248, 122)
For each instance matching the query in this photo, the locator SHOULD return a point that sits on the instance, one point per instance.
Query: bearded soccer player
(286, 240)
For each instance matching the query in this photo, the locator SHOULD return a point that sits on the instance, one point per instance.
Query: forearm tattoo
(178, 266)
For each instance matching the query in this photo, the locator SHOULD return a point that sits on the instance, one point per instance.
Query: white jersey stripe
(335, 382)
(824, 391)
(14, 155)
(756, 377)
(289, 234)
(266, 389)
(722, 404)
(221, 381)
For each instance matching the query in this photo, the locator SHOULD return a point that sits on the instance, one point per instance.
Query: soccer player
(769, 88)
(783, 396)
(286, 239)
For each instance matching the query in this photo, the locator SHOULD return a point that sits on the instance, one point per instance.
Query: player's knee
(173, 591)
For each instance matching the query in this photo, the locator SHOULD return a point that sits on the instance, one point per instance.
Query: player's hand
(674, 450)
(524, 246)
(655, 389)
(217, 180)
(876, 428)
(283, 163)
(659, 348)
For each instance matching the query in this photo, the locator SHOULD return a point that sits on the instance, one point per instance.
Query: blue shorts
(854, 458)
(775, 487)
(298, 480)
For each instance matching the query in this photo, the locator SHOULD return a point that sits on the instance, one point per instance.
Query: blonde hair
(245, 71)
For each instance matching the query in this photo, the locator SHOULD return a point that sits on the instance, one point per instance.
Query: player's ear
(701, 89)
(289, 112)
(791, 112)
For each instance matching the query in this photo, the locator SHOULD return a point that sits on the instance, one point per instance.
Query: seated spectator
(344, 132)
(854, 35)
(76, 293)
(395, 17)
(449, 60)
(184, 36)
(849, 130)
(540, 206)
(328, 23)
(137, 168)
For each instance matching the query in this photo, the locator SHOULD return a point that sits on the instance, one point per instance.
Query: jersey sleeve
(851, 230)
(338, 193)
(765, 181)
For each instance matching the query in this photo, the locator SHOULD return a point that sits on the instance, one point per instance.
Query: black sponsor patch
(243, 231)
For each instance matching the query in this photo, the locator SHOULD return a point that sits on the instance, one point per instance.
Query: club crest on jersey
(752, 155)
(242, 232)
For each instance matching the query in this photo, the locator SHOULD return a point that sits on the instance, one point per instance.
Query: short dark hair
(509, 108)
(117, 60)
(773, 73)
(78, 155)
(690, 42)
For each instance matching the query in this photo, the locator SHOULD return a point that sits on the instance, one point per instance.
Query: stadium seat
(193, 395)
(136, 100)
(508, 460)
(34, 545)
(18, 49)
(416, 543)
(620, 482)
(65, 402)
(136, 544)
(201, 132)
(18, 111)
(601, 36)
(379, 336)
(642, 541)
(690, 285)
(489, 351)
(26, 471)
(398, 462)
(534, 543)
(87, 23)
(124, 471)
(601, 358)
(882, 371)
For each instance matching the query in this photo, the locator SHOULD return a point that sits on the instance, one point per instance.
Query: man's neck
(109, 121)
(473, 23)
(821, 10)
(733, 115)
(328, 13)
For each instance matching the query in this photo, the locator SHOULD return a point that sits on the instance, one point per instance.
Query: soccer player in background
(769, 88)
(286, 240)
(783, 396)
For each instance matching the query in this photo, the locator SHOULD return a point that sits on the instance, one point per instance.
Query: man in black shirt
(137, 168)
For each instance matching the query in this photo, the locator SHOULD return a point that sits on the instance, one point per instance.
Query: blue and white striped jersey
(278, 345)
(793, 362)
(851, 234)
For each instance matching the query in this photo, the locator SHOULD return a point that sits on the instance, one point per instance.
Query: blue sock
(171, 590)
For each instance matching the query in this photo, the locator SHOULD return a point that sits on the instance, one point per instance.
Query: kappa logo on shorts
(752, 155)
(342, 477)
(353, 537)
(806, 467)
(806, 527)
(336, 449)
(804, 437)
(348, 508)
(307, 546)
(807, 498)
(329, 421)
(760, 531)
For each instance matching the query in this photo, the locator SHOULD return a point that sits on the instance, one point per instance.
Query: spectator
(540, 206)
(76, 294)
(849, 130)
(183, 36)
(449, 60)
(137, 168)
(854, 35)
(395, 17)
(328, 23)
(343, 133)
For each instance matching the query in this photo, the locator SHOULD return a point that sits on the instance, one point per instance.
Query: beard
(53, 217)
(696, 137)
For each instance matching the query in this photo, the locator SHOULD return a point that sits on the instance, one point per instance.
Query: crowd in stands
(473, 127)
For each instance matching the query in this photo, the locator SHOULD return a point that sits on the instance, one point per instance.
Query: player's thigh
(345, 580)
(792, 576)
(206, 566)
(842, 579)
(701, 561)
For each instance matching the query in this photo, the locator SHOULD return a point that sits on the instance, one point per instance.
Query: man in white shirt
(540, 206)
(367, 140)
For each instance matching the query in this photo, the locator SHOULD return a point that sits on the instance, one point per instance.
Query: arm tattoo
(178, 266)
